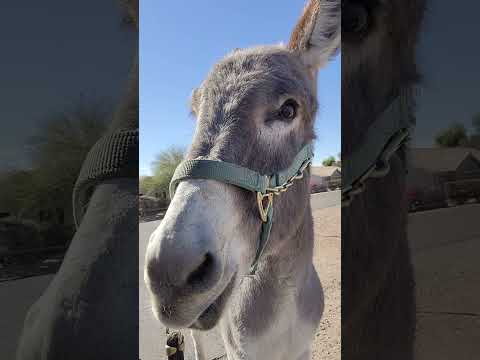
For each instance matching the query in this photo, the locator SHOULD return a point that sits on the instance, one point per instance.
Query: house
(439, 170)
(474, 141)
(325, 177)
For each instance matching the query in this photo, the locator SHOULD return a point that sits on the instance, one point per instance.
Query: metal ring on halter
(346, 200)
(382, 168)
(263, 210)
(357, 189)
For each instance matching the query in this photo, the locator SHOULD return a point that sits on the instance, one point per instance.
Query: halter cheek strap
(371, 159)
(264, 186)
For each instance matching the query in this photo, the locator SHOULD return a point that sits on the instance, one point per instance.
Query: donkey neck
(284, 272)
(290, 248)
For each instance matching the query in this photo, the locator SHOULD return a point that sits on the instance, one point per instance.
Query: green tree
(455, 135)
(476, 123)
(147, 184)
(163, 168)
(330, 161)
(339, 160)
(15, 189)
(56, 151)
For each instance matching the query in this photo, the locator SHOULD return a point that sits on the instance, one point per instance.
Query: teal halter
(115, 155)
(371, 160)
(263, 185)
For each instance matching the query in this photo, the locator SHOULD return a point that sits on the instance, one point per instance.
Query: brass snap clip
(264, 208)
(175, 343)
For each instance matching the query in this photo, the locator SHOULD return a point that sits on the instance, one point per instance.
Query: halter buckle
(261, 207)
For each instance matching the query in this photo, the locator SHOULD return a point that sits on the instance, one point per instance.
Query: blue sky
(449, 88)
(91, 61)
(179, 43)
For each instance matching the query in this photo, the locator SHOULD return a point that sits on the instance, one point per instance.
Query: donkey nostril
(202, 271)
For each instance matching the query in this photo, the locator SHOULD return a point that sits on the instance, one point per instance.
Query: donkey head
(378, 60)
(378, 64)
(256, 108)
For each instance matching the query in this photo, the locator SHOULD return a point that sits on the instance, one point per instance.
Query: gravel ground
(327, 261)
(445, 245)
(16, 297)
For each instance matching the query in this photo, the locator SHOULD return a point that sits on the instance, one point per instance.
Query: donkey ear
(317, 35)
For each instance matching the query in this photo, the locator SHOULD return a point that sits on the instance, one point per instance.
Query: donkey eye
(288, 111)
(355, 18)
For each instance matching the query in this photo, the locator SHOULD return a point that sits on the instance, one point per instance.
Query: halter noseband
(263, 185)
(115, 155)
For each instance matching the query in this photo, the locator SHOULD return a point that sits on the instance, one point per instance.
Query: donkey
(378, 65)
(87, 311)
(255, 109)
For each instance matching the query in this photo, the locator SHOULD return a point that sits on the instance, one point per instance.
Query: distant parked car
(334, 184)
(318, 188)
(415, 205)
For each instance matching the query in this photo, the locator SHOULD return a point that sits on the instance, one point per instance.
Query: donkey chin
(210, 316)
(186, 312)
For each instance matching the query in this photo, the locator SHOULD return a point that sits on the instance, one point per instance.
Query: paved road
(16, 297)
(151, 333)
(445, 247)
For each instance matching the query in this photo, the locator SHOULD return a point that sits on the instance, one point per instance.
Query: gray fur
(273, 314)
(378, 303)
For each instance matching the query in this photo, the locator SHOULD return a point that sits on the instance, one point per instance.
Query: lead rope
(175, 346)
(379, 169)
